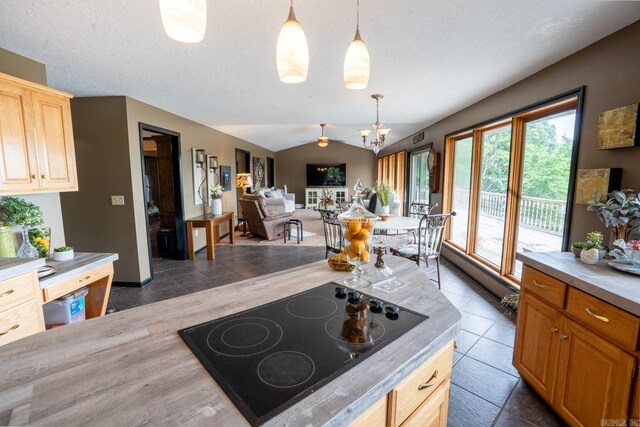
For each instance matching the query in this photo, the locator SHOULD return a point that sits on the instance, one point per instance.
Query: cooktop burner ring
(320, 307)
(286, 369)
(244, 336)
(333, 327)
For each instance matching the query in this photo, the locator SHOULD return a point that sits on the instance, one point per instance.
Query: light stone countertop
(11, 267)
(613, 286)
(82, 261)
(132, 368)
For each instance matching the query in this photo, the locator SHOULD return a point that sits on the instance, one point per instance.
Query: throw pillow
(269, 195)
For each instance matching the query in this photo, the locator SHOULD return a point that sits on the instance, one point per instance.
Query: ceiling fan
(323, 141)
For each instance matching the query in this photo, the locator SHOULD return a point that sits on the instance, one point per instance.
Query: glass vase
(357, 226)
(40, 238)
(26, 249)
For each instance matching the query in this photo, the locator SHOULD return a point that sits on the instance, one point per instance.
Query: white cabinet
(312, 195)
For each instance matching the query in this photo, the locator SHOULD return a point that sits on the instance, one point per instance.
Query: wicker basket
(339, 262)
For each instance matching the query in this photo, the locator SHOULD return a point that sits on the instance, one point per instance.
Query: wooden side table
(212, 225)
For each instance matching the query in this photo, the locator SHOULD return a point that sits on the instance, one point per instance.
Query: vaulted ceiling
(429, 58)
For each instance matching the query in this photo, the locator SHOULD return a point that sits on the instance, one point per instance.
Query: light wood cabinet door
(375, 416)
(433, 412)
(18, 164)
(537, 344)
(595, 378)
(54, 138)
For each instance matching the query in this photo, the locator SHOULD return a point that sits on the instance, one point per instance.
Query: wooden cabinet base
(433, 412)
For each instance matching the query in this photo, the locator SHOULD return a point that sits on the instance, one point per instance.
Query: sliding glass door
(419, 190)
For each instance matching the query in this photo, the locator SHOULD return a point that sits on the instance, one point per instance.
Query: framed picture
(596, 183)
(618, 128)
(225, 178)
(258, 174)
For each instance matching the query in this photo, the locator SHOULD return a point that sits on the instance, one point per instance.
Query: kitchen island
(132, 368)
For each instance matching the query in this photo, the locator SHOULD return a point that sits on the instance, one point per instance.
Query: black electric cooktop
(269, 357)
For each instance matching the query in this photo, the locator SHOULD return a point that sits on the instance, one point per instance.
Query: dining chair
(419, 209)
(332, 231)
(430, 235)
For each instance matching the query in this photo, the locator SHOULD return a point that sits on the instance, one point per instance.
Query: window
(419, 177)
(508, 182)
(392, 168)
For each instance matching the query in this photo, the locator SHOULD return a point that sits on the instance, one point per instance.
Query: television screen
(329, 174)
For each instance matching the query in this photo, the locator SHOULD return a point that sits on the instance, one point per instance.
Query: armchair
(260, 220)
(278, 201)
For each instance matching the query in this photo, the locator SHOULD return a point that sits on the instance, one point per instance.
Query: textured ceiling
(429, 58)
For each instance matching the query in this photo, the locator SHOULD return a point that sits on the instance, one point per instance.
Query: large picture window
(509, 183)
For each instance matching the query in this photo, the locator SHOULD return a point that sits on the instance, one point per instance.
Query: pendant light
(323, 141)
(357, 65)
(184, 20)
(292, 51)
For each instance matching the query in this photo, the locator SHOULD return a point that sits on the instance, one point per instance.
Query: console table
(211, 223)
(312, 195)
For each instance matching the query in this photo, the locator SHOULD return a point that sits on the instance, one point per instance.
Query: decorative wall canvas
(225, 178)
(618, 128)
(258, 174)
(596, 183)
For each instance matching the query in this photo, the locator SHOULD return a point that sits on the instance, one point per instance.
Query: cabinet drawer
(74, 283)
(613, 323)
(18, 290)
(433, 412)
(544, 286)
(19, 322)
(375, 416)
(421, 384)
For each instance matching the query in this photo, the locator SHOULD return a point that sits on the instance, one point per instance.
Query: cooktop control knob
(354, 297)
(341, 292)
(375, 305)
(392, 312)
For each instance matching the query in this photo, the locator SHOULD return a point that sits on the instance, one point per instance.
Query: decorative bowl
(63, 256)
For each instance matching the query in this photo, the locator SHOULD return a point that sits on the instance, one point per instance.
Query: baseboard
(141, 284)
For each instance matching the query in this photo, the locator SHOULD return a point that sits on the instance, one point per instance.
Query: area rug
(313, 232)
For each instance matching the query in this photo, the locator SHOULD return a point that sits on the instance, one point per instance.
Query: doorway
(271, 172)
(162, 185)
(243, 165)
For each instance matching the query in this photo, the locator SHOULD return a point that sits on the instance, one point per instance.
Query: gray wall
(291, 165)
(609, 69)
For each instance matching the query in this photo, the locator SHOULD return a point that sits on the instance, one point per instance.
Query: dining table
(393, 231)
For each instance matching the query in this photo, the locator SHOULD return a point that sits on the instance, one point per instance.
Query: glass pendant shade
(357, 65)
(184, 20)
(292, 51)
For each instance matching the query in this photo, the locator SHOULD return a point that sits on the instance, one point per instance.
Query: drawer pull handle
(430, 383)
(13, 328)
(84, 278)
(4, 294)
(601, 318)
(563, 336)
(535, 282)
(554, 329)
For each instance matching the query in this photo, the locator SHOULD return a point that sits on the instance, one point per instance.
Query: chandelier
(381, 132)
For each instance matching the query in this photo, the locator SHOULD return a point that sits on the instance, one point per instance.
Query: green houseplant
(383, 190)
(621, 212)
(63, 253)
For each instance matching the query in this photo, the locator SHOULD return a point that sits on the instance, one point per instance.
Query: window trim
(518, 119)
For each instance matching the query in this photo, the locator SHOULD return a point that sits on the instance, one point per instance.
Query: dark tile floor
(486, 390)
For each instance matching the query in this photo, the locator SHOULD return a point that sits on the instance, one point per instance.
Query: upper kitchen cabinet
(36, 139)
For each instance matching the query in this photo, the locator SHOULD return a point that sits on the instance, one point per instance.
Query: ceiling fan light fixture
(184, 20)
(323, 141)
(292, 51)
(357, 64)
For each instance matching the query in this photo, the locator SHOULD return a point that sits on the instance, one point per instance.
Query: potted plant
(621, 212)
(594, 241)
(383, 190)
(326, 199)
(577, 247)
(216, 195)
(28, 217)
(63, 253)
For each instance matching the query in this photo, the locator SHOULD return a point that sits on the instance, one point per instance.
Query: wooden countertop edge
(21, 265)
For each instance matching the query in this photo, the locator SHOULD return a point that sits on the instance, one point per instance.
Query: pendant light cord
(357, 15)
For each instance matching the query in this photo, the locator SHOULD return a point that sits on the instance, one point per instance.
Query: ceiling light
(184, 20)
(381, 132)
(292, 51)
(357, 65)
(323, 141)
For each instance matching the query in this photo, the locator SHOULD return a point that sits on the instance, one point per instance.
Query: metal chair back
(332, 231)
(430, 237)
(418, 209)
